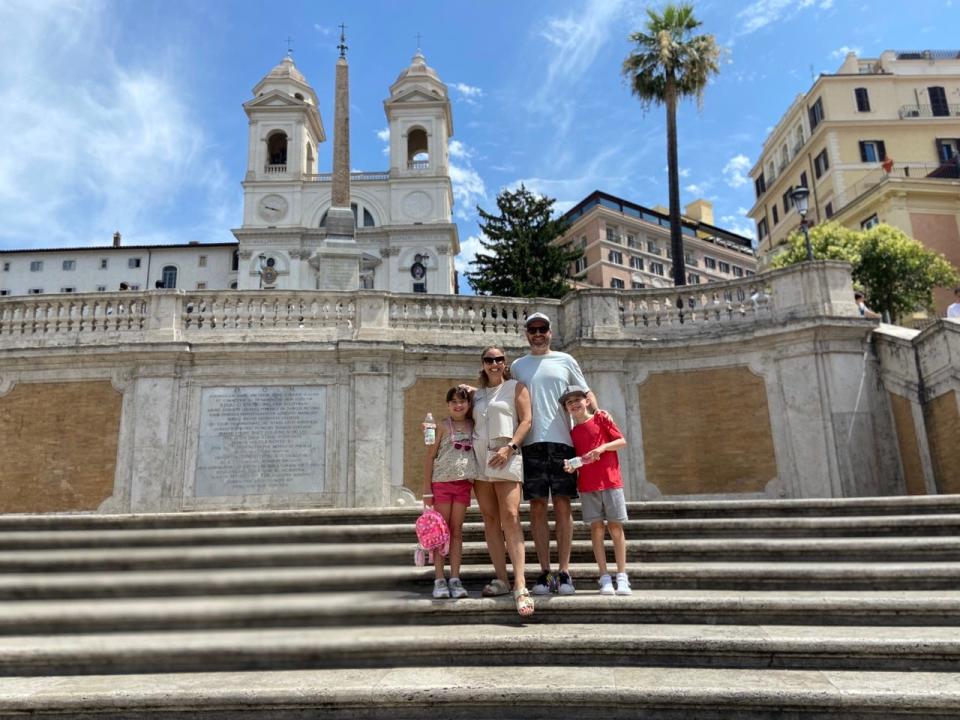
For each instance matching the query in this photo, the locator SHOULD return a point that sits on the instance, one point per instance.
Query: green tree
(667, 64)
(521, 260)
(896, 272)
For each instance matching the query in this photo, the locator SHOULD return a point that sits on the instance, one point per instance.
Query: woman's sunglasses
(499, 360)
(463, 446)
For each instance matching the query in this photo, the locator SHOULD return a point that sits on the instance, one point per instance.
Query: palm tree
(668, 63)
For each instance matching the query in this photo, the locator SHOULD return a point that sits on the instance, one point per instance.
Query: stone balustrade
(811, 290)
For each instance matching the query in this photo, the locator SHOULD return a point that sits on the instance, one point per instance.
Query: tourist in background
(953, 310)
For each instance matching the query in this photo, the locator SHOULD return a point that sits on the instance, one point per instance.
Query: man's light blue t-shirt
(547, 377)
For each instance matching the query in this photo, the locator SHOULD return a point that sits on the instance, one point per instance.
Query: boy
(596, 439)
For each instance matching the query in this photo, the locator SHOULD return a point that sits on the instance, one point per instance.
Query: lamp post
(800, 196)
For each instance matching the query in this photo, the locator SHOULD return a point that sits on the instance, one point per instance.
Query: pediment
(417, 94)
(274, 98)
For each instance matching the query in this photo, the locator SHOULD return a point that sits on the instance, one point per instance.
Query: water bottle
(429, 430)
(573, 464)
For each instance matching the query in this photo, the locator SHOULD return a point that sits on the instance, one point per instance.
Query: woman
(501, 412)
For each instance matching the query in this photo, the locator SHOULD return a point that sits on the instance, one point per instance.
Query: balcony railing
(820, 289)
(904, 170)
(354, 177)
(418, 165)
(929, 111)
(274, 169)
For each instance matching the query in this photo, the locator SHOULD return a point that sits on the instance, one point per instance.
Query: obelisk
(338, 261)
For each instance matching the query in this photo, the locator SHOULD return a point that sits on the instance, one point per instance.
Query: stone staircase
(748, 609)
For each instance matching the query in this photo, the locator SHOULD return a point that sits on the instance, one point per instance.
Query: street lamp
(800, 196)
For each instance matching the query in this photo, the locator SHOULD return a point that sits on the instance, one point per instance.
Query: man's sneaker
(606, 585)
(623, 584)
(457, 590)
(545, 584)
(440, 589)
(565, 584)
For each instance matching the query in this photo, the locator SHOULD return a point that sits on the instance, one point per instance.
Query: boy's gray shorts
(607, 505)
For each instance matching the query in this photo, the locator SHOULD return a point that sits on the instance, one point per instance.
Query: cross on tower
(418, 41)
(342, 47)
(289, 45)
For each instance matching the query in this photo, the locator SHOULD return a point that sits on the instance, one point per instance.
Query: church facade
(404, 237)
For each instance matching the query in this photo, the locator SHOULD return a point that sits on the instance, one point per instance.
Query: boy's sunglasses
(498, 359)
(538, 330)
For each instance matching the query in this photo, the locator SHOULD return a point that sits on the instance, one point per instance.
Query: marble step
(253, 581)
(470, 691)
(332, 609)
(788, 527)
(917, 649)
(719, 509)
(922, 549)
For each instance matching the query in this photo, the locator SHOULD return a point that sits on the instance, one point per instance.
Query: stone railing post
(164, 322)
(373, 316)
(823, 288)
(597, 315)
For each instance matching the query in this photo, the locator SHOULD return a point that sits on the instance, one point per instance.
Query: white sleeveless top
(494, 412)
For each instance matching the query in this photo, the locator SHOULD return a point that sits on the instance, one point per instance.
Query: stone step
(247, 581)
(927, 649)
(922, 549)
(718, 509)
(695, 528)
(467, 692)
(333, 609)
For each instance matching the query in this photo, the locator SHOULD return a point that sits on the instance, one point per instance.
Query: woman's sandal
(495, 587)
(524, 602)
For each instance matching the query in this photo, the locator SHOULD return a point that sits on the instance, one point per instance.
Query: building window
(201, 286)
(6, 267)
(617, 283)
(34, 291)
(816, 114)
(828, 210)
(709, 263)
(737, 271)
(724, 267)
(947, 150)
(101, 288)
(652, 247)
(133, 262)
(787, 200)
(636, 262)
(68, 289)
(235, 261)
(420, 287)
(615, 256)
(863, 99)
(637, 285)
(36, 266)
(4, 292)
(693, 279)
(579, 265)
(869, 222)
(104, 262)
(202, 261)
(134, 287)
(803, 179)
(759, 186)
(69, 265)
(750, 272)
(872, 150)
(632, 241)
(168, 276)
(612, 235)
(821, 163)
(762, 228)
(656, 268)
(776, 214)
(938, 102)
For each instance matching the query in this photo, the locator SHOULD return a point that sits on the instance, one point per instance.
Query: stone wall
(759, 388)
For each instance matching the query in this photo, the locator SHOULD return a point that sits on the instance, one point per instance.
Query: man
(547, 374)
(953, 310)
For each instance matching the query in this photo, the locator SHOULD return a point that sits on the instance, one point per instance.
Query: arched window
(169, 276)
(277, 148)
(418, 155)
(368, 220)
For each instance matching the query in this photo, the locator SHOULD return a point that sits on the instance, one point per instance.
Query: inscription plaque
(339, 273)
(261, 441)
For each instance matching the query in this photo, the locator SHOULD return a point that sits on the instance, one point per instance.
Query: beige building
(628, 246)
(903, 107)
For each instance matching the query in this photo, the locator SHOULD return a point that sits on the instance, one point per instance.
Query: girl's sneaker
(457, 590)
(440, 589)
(623, 584)
(606, 585)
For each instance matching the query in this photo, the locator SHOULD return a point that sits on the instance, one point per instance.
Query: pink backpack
(433, 535)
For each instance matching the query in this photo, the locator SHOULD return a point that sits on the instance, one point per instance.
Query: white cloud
(384, 137)
(458, 150)
(694, 189)
(762, 13)
(468, 190)
(826, 4)
(323, 29)
(468, 93)
(735, 171)
(841, 52)
(468, 252)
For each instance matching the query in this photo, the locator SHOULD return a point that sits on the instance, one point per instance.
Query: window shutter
(863, 151)
(881, 151)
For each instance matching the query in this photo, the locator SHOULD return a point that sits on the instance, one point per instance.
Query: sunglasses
(538, 330)
(499, 360)
(462, 446)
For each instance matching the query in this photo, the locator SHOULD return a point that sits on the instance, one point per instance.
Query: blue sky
(127, 114)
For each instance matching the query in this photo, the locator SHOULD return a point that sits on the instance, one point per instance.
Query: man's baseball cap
(573, 391)
(537, 316)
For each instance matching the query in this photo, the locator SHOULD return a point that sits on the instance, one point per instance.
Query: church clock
(272, 208)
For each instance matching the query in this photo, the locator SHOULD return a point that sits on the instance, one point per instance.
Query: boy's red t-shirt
(604, 474)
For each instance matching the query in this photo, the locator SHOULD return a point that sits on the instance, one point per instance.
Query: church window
(169, 276)
(235, 262)
(418, 271)
(298, 96)
(101, 288)
(277, 148)
(367, 218)
(366, 281)
(201, 286)
(233, 285)
(418, 156)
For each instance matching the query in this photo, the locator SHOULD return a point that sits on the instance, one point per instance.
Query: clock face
(272, 208)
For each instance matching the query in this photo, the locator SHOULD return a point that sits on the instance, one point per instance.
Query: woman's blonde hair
(506, 368)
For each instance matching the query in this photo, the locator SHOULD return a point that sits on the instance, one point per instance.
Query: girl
(449, 472)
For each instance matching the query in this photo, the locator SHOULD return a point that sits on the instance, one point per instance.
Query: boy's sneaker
(457, 590)
(623, 584)
(545, 584)
(440, 589)
(565, 584)
(606, 585)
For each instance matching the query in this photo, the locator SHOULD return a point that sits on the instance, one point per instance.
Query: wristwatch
(513, 446)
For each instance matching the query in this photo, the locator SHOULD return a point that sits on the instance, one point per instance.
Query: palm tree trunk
(673, 177)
